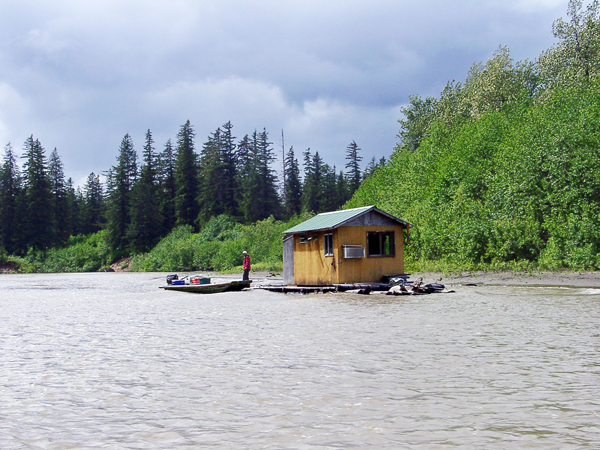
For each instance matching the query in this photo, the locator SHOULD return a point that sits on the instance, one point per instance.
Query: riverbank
(567, 279)
(551, 279)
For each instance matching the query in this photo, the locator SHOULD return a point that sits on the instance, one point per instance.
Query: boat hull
(211, 288)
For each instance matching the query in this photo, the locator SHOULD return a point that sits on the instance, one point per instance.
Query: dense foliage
(80, 254)
(504, 170)
(219, 246)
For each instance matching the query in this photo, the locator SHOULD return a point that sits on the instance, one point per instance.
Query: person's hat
(245, 252)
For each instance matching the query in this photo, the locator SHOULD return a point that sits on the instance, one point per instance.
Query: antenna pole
(283, 161)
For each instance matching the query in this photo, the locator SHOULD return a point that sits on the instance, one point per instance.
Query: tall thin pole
(283, 161)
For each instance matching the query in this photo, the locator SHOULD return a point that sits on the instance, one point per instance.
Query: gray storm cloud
(79, 75)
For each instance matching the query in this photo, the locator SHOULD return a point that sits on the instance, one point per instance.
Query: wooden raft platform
(325, 289)
(298, 289)
(401, 288)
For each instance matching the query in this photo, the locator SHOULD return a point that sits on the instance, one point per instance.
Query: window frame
(380, 241)
(328, 246)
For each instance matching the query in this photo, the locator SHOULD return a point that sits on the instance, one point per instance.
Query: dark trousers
(245, 276)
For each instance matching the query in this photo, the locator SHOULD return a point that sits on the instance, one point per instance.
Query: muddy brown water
(110, 361)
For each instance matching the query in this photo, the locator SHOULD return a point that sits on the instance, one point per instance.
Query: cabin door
(288, 260)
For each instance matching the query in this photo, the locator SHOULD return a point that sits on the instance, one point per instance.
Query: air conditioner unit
(353, 251)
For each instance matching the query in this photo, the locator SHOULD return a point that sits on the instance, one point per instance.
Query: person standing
(246, 266)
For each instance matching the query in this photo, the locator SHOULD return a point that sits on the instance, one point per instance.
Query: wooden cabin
(359, 245)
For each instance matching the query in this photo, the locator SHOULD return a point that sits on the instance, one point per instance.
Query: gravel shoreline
(566, 279)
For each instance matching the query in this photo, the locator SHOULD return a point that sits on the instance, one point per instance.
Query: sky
(80, 74)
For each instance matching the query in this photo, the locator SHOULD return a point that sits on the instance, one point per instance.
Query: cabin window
(303, 239)
(328, 244)
(380, 243)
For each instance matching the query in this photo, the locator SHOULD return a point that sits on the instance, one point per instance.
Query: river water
(110, 361)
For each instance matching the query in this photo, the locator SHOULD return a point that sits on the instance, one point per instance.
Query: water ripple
(109, 361)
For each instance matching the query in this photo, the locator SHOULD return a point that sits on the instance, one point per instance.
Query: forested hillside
(144, 198)
(503, 170)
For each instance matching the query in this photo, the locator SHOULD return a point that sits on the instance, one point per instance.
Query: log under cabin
(359, 245)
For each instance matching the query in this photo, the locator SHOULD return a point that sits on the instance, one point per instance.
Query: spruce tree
(212, 182)
(293, 186)
(38, 196)
(353, 166)
(60, 205)
(252, 183)
(253, 210)
(342, 188)
(187, 207)
(120, 180)
(10, 194)
(75, 206)
(229, 173)
(244, 167)
(218, 175)
(330, 198)
(309, 189)
(312, 191)
(269, 198)
(259, 198)
(167, 190)
(145, 227)
(92, 205)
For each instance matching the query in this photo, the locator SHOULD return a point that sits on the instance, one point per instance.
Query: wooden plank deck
(286, 289)
(298, 289)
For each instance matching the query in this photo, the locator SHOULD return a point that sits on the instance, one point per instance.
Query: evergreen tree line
(142, 201)
(503, 170)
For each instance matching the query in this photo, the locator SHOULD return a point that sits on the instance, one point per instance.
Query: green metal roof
(329, 220)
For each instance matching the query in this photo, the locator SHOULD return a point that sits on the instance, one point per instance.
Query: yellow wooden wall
(312, 267)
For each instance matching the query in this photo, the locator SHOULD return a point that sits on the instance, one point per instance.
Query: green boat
(211, 288)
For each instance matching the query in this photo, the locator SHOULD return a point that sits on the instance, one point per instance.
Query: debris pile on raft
(396, 285)
(400, 287)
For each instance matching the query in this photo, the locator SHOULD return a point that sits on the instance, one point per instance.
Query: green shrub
(219, 246)
(219, 228)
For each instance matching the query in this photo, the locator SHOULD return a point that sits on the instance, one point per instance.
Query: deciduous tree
(576, 56)
(418, 115)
